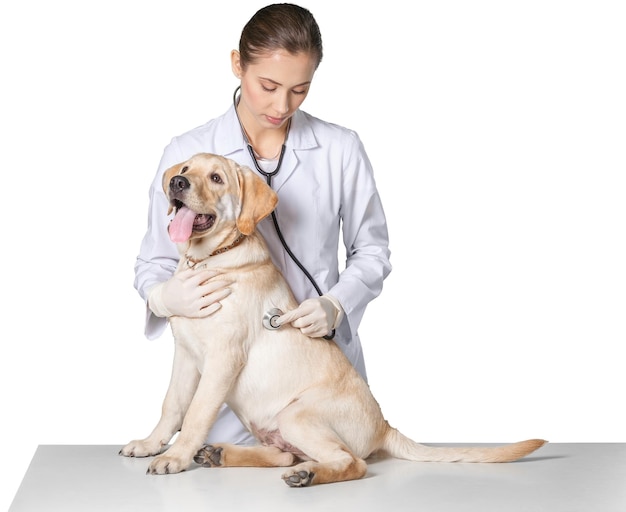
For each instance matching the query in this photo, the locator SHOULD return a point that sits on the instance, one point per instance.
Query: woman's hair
(286, 27)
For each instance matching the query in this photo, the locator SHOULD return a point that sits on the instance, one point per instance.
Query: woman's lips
(276, 121)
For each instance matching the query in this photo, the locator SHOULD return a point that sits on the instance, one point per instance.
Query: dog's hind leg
(331, 460)
(230, 455)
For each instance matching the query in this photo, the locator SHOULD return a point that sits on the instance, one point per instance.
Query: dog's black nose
(179, 183)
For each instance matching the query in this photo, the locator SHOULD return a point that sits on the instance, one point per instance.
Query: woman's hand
(314, 317)
(190, 293)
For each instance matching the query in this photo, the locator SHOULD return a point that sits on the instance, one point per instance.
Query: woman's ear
(235, 63)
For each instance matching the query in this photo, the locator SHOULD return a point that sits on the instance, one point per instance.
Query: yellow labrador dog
(301, 398)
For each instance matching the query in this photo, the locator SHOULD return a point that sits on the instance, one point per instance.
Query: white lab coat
(326, 188)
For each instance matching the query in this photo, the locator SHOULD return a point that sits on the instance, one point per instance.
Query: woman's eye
(216, 178)
(267, 89)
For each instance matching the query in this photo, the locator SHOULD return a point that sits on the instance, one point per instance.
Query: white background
(497, 132)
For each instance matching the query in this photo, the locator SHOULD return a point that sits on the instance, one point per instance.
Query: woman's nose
(281, 104)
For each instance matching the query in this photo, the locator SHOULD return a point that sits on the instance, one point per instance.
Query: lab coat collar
(301, 137)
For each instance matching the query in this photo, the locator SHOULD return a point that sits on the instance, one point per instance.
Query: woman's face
(273, 87)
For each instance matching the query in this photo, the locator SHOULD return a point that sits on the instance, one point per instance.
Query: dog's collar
(192, 262)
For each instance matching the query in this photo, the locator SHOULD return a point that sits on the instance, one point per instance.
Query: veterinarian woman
(325, 185)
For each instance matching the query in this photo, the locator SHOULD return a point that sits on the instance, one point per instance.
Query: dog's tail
(399, 446)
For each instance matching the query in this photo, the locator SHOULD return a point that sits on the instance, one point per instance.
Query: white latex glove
(188, 294)
(314, 317)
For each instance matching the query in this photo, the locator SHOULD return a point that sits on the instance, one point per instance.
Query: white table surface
(586, 477)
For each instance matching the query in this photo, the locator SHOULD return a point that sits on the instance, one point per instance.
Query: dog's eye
(184, 169)
(216, 178)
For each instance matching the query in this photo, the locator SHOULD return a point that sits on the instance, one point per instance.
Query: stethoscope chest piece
(270, 317)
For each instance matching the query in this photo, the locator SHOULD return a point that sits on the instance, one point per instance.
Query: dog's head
(212, 194)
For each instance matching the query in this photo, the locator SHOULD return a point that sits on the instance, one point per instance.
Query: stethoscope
(270, 317)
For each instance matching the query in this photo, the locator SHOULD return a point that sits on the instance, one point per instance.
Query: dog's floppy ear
(257, 200)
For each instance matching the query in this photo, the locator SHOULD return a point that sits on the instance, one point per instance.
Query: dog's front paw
(209, 456)
(141, 448)
(168, 463)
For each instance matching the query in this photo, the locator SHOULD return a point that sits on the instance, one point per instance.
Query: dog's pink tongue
(182, 225)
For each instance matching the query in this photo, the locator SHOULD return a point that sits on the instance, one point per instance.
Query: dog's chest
(194, 337)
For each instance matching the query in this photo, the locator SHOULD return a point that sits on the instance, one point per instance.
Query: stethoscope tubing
(268, 179)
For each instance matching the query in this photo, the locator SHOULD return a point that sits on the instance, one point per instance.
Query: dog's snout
(179, 183)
